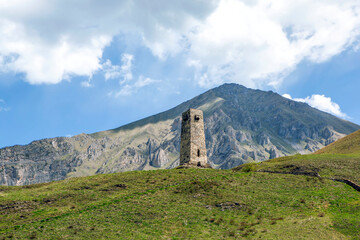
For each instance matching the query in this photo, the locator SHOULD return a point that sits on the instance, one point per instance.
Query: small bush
(249, 167)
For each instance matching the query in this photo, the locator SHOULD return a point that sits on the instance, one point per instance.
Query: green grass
(347, 145)
(182, 203)
(339, 166)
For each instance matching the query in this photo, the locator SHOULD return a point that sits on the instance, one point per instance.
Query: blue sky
(69, 67)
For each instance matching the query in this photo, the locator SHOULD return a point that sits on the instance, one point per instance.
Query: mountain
(347, 145)
(314, 196)
(241, 125)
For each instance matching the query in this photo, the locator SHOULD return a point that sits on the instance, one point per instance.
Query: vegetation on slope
(331, 166)
(347, 145)
(339, 160)
(182, 203)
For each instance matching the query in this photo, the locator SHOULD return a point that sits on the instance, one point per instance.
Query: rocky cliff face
(241, 125)
(41, 161)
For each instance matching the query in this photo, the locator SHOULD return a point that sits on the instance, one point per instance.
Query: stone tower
(193, 148)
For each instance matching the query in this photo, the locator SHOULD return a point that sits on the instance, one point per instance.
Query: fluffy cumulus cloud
(322, 103)
(51, 41)
(258, 42)
(255, 43)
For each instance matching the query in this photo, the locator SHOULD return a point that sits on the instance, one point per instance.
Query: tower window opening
(197, 117)
(198, 153)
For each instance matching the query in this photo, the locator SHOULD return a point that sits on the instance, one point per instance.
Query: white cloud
(115, 71)
(52, 41)
(144, 81)
(129, 89)
(255, 43)
(124, 73)
(45, 60)
(86, 84)
(124, 91)
(288, 96)
(3, 107)
(320, 102)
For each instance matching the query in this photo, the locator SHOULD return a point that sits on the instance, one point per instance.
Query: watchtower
(193, 148)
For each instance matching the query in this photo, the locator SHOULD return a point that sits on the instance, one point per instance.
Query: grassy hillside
(339, 160)
(347, 145)
(182, 203)
(285, 198)
(338, 166)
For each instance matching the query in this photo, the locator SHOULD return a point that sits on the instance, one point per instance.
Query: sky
(68, 67)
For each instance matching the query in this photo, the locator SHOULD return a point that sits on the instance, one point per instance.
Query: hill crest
(349, 144)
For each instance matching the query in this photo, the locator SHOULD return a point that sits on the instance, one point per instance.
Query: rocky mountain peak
(241, 125)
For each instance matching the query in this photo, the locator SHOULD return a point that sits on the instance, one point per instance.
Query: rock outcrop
(40, 161)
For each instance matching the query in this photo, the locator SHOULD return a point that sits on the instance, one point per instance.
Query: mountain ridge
(241, 125)
(189, 104)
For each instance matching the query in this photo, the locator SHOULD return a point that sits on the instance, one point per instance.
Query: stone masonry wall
(193, 148)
